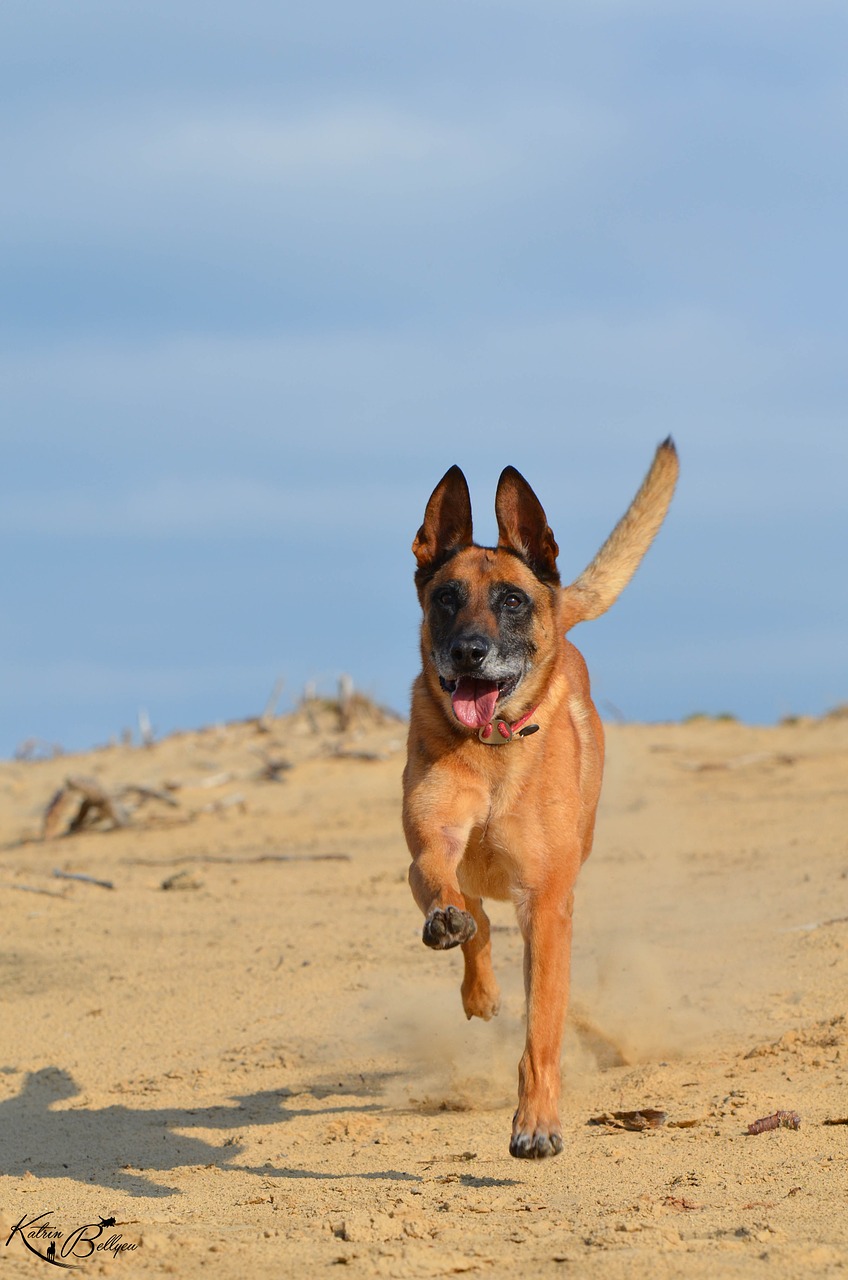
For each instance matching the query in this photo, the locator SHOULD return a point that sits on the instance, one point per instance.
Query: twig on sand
(644, 1118)
(347, 753)
(223, 858)
(815, 924)
(31, 888)
(738, 762)
(79, 875)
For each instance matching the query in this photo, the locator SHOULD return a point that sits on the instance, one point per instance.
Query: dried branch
(97, 805)
(84, 803)
(223, 858)
(263, 724)
(79, 875)
(779, 1120)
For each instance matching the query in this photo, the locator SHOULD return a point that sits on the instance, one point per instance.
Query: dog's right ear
(447, 524)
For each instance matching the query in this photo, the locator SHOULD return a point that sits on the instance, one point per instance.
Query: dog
(506, 750)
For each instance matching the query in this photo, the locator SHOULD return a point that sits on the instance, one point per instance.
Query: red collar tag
(499, 732)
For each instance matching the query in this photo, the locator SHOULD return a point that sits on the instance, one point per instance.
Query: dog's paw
(537, 1144)
(480, 1001)
(448, 927)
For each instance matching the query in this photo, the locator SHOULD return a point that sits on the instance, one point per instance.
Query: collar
(498, 733)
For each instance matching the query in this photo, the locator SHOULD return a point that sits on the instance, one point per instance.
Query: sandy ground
(260, 1070)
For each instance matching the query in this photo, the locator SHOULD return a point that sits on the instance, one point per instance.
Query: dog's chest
(497, 847)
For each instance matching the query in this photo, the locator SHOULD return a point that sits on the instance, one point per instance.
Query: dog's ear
(523, 526)
(447, 522)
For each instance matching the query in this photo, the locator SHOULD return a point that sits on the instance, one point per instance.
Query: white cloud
(199, 172)
(346, 140)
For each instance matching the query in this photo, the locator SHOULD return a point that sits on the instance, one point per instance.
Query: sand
(260, 1070)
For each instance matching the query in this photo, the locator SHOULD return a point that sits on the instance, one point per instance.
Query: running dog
(506, 750)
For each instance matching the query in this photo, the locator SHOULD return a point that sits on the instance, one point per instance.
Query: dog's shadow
(123, 1148)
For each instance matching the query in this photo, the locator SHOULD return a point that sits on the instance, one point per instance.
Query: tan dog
(506, 750)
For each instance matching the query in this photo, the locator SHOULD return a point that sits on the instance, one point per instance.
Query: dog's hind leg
(480, 995)
(546, 924)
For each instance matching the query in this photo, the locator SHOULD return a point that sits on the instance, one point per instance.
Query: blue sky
(268, 270)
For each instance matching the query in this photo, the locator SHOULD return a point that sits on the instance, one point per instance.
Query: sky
(268, 270)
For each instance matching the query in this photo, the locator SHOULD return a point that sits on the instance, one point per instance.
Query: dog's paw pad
(537, 1145)
(448, 927)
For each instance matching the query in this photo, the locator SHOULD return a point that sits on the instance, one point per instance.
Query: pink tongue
(474, 701)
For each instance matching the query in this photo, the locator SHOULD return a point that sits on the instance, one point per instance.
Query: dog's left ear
(523, 525)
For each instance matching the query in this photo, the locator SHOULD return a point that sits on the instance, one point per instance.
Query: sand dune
(259, 1069)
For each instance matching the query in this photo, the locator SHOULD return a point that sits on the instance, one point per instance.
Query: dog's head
(490, 613)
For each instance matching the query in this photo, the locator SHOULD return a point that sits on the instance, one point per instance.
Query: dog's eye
(513, 600)
(446, 598)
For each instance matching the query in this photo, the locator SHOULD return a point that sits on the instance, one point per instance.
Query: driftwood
(84, 803)
(263, 724)
(93, 805)
(273, 768)
(151, 793)
(349, 711)
(38, 749)
(145, 728)
(346, 705)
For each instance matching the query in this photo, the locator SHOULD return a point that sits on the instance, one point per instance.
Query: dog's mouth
(474, 700)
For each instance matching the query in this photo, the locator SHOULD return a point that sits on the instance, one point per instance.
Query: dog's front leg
(481, 997)
(435, 887)
(545, 921)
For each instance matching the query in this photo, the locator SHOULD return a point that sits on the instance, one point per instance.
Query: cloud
(145, 169)
(330, 144)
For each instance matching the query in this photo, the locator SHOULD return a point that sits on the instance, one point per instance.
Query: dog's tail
(602, 582)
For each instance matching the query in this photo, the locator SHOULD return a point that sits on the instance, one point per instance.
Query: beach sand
(260, 1070)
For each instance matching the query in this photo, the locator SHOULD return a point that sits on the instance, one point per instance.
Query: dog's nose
(469, 652)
